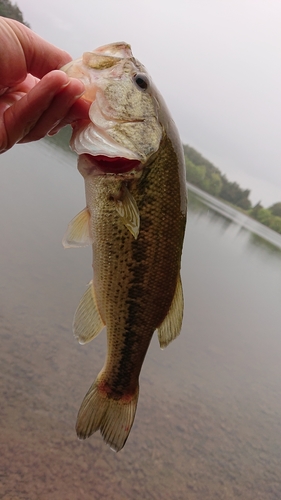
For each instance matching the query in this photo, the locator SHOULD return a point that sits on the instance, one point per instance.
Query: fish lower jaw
(88, 138)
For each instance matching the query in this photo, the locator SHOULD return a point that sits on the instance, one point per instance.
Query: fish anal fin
(87, 323)
(78, 231)
(128, 210)
(113, 417)
(171, 326)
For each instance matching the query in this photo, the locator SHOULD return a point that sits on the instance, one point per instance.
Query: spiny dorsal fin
(78, 231)
(129, 212)
(87, 323)
(171, 326)
(114, 417)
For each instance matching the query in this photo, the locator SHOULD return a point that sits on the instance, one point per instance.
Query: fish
(131, 158)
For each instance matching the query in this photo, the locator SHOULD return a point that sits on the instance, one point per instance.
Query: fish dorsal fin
(78, 231)
(171, 326)
(128, 210)
(87, 323)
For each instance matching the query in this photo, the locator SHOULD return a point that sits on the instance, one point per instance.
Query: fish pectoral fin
(87, 323)
(128, 210)
(114, 417)
(78, 231)
(171, 326)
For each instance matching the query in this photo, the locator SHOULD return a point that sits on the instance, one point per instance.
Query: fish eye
(141, 81)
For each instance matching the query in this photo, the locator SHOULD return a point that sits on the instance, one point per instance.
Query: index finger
(33, 54)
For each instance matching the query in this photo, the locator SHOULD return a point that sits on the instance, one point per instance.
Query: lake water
(208, 424)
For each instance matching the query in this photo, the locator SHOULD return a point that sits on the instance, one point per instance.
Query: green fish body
(132, 162)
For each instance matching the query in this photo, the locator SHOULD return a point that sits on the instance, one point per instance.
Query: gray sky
(216, 62)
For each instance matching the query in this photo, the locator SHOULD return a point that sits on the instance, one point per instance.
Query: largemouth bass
(131, 158)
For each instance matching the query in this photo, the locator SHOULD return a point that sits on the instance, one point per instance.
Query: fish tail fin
(113, 417)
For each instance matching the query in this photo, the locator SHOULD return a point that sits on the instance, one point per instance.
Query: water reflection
(234, 223)
(209, 417)
(258, 242)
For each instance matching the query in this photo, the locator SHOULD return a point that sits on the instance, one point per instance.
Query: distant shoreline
(236, 215)
(204, 175)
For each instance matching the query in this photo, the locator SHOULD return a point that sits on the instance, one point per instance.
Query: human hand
(35, 98)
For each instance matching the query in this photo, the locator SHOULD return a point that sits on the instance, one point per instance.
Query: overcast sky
(216, 62)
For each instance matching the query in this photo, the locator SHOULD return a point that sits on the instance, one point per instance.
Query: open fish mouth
(102, 165)
(101, 152)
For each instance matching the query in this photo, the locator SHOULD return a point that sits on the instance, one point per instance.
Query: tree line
(8, 9)
(203, 174)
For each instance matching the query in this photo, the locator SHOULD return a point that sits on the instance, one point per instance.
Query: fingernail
(79, 84)
(65, 84)
(79, 95)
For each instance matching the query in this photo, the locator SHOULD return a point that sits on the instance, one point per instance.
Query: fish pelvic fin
(78, 231)
(171, 326)
(87, 323)
(129, 213)
(113, 417)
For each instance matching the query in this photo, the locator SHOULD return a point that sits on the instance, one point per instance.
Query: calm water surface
(208, 424)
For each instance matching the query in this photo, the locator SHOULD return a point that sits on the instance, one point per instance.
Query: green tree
(199, 160)
(275, 224)
(216, 184)
(195, 173)
(254, 211)
(7, 9)
(232, 192)
(213, 184)
(264, 216)
(276, 209)
(244, 203)
(212, 180)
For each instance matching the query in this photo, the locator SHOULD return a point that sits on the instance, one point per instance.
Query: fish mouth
(104, 165)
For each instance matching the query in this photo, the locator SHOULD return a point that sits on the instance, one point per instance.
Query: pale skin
(35, 98)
